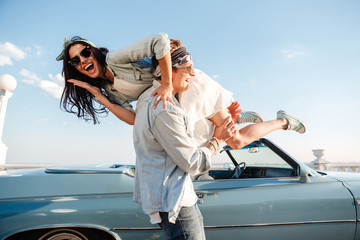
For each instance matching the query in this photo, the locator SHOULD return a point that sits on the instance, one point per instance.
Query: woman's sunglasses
(86, 52)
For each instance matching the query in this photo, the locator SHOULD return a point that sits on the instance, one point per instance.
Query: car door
(267, 202)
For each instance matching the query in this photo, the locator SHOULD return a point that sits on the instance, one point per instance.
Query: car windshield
(260, 159)
(259, 155)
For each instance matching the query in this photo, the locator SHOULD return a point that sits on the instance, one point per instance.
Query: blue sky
(299, 56)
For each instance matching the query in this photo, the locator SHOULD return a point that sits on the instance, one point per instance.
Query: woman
(205, 103)
(96, 79)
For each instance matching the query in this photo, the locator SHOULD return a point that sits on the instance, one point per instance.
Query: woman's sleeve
(155, 45)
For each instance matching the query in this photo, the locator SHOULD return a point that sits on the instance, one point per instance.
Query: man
(166, 156)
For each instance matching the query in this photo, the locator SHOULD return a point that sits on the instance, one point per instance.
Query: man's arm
(169, 129)
(236, 141)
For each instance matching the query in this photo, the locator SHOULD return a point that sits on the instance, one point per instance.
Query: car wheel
(65, 234)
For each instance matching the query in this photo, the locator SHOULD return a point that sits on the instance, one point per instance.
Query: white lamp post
(7, 84)
(320, 163)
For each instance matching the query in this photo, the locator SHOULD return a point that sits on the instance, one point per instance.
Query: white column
(320, 163)
(4, 96)
(7, 84)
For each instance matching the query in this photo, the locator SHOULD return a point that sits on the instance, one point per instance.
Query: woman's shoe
(293, 122)
(250, 117)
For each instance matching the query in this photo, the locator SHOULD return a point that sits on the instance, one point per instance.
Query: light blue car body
(282, 201)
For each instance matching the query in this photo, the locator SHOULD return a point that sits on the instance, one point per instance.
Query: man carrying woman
(169, 146)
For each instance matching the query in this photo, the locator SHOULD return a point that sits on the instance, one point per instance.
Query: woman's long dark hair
(75, 99)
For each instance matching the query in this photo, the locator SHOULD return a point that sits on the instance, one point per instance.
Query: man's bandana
(180, 56)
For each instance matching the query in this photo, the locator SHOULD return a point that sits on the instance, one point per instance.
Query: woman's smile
(89, 66)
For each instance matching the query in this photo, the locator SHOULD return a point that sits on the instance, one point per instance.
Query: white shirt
(204, 98)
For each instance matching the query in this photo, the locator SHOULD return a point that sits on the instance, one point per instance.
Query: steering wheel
(239, 169)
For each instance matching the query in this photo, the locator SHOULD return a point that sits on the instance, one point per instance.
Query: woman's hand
(164, 93)
(122, 113)
(92, 89)
(226, 130)
(234, 111)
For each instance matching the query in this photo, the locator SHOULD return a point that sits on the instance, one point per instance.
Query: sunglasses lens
(75, 61)
(86, 52)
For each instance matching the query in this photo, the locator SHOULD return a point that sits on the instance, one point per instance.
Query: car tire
(65, 234)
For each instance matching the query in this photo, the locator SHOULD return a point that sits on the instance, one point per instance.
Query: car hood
(67, 181)
(92, 168)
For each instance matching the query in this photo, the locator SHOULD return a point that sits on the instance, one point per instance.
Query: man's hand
(226, 130)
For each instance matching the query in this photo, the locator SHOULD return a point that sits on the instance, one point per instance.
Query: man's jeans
(189, 225)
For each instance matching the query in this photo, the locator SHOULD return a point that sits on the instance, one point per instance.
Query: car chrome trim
(243, 226)
(281, 224)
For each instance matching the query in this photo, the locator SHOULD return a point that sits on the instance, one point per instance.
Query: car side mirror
(304, 175)
(255, 149)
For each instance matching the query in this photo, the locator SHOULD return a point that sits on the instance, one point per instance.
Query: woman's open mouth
(89, 67)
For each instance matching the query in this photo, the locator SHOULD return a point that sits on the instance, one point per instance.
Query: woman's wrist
(101, 98)
(165, 83)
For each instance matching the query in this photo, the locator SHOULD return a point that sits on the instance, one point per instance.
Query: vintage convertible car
(262, 193)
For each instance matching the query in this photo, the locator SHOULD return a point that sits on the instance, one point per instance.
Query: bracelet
(211, 147)
(217, 142)
(215, 148)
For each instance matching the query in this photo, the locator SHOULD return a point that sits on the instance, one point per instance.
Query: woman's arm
(164, 92)
(222, 133)
(120, 112)
(158, 46)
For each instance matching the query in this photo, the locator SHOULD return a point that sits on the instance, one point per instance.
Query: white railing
(344, 167)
